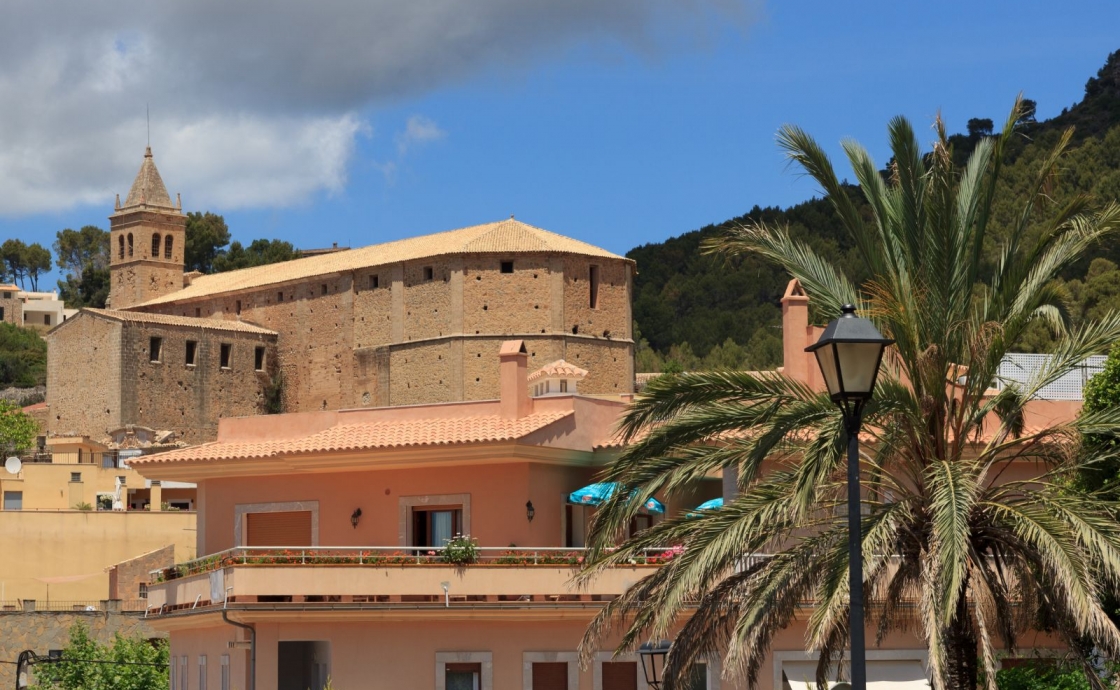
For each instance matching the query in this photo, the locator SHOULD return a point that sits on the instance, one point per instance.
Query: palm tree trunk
(961, 647)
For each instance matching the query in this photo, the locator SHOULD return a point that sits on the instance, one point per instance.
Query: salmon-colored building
(319, 538)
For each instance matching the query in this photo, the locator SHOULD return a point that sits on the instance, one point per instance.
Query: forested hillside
(694, 311)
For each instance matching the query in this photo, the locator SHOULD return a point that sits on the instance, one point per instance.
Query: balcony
(350, 577)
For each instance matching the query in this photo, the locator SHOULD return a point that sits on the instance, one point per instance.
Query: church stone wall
(84, 376)
(190, 399)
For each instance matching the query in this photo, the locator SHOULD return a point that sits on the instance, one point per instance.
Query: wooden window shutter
(289, 528)
(620, 675)
(550, 676)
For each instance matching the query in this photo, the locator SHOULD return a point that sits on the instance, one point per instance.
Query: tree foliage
(966, 559)
(83, 258)
(137, 664)
(207, 237)
(681, 295)
(23, 357)
(25, 262)
(258, 253)
(17, 429)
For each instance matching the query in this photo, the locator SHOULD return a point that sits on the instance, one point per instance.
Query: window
(373, 282)
(155, 246)
(202, 672)
(184, 682)
(507, 267)
(226, 351)
(13, 500)
(303, 665)
(172, 685)
(167, 241)
(75, 476)
(2, 312)
(225, 672)
(198, 311)
(46, 319)
(563, 385)
(192, 352)
(130, 245)
(594, 282)
(620, 675)
(120, 244)
(143, 593)
(279, 528)
(428, 273)
(280, 296)
(550, 675)
(434, 527)
(155, 349)
(238, 307)
(7, 295)
(640, 523)
(258, 358)
(462, 676)
(323, 289)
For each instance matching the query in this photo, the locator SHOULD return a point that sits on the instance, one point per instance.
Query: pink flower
(431, 553)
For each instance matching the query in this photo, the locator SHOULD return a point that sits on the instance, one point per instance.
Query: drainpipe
(252, 644)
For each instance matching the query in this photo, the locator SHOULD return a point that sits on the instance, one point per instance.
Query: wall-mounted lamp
(354, 517)
(530, 511)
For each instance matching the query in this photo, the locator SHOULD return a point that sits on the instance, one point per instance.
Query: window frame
(190, 354)
(260, 358)
(483, 659)
(225, 356)
(503, 265)
(155, 349)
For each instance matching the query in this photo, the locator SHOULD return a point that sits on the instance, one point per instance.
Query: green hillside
(694, 311)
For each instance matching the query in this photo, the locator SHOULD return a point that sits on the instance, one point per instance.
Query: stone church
(418, 320)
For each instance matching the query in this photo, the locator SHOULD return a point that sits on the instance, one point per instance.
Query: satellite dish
(13, 465)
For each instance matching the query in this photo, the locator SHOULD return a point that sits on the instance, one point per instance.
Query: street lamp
(849, 353)
(653, 656)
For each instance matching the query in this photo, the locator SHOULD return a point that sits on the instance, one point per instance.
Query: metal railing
(60, 605)
(390, 556)
(109, 460)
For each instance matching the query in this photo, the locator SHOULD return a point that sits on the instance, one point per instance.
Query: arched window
(130, 245)
(155, 246)
(120, 242)
(167, 246)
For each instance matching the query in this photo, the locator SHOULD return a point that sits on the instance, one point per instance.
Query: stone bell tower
(147, 236)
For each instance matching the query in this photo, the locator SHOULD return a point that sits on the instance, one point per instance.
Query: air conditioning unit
(238, 645)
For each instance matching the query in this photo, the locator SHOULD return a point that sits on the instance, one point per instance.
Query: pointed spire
(148, 188)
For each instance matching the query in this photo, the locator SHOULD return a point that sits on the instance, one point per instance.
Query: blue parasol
(714, 504)
(595, 494)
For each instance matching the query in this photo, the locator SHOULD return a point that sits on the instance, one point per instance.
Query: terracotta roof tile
(559, 368)
(189, 321)
(503, 237)
(368, 436)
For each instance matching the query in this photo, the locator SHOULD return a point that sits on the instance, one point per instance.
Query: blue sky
(612, 138)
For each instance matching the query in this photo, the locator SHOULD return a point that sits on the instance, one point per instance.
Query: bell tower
(147, 235)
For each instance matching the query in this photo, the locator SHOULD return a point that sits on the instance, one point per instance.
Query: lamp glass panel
(858, 365)
(827, 361)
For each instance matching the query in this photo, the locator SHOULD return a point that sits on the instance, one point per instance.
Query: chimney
(795, 327)
(514, 379)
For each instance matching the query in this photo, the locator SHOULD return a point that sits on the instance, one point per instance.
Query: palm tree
(955, 550)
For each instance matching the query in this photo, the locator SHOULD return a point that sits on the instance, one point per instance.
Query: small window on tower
(594, 286)
(120, 243)
(167, 246)
(258, 358)
(226, 351)
(192, 350)
(155, 246)
(155, 347)
(507, 267)
(130, 245)
(428, 273)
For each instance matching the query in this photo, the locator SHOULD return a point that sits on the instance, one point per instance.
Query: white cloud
(418, 130)
(256, 103)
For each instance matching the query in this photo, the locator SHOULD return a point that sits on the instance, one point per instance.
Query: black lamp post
(849, 353)
(653, 656)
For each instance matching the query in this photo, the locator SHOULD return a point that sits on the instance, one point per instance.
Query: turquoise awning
(595, 494)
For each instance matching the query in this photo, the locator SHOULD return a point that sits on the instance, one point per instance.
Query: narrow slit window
(280, 296)
(428, 273)
(507, 267)
(239, 307)
(594, 291)
(323, 289)
(155, 347)
(120, 243)
(192, 351)
(373, 282)
(198, 311)
(226, 351)
(258, 358)
(130, 245)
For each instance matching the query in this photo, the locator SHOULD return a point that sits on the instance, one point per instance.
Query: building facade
(414, 321)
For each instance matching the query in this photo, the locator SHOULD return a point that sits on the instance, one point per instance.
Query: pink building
(320, 537)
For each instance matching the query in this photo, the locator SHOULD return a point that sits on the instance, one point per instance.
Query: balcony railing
(109, 460)
(375, 556)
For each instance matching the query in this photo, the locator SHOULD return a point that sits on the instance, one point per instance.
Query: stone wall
(190, 399)
(141, 274)
(84, 376)
(42, 631)
(11, 305)
(125, 578)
